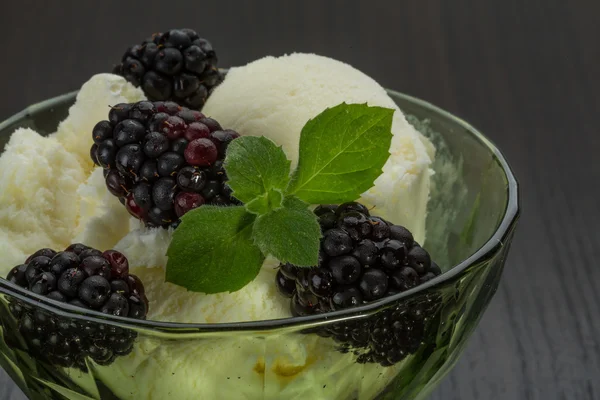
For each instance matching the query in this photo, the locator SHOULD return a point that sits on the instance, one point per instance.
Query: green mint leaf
(266, 202)
(290, 234)
(255, 165)
(342, 152)
(212, 250)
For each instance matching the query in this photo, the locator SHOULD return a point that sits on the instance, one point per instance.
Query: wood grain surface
(524, 72)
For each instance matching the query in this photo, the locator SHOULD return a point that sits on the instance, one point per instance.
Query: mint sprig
(342, 152)
(290, 233)
(212, 250)
(254, 166)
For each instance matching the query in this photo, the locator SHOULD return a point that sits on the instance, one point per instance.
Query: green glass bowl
(472, 215)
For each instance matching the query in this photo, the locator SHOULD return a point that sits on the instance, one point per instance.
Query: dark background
(524, 72)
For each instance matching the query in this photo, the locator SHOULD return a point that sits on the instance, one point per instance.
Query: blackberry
(86, 278)
(162, 160)
(186, 201)
(176, 65)
(363, 258)
(392, 334)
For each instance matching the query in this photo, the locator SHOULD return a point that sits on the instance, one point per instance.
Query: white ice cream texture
(51, 196)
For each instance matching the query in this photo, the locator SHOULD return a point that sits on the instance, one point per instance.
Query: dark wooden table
(524, 72)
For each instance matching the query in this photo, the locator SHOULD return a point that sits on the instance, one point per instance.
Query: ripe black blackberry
(176, 65)
(362, 258)
(162, 160)
(86, 278)
(391, 335)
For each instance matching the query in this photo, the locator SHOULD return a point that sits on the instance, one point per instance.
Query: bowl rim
(487, 250)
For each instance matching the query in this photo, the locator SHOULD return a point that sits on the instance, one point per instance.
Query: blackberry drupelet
(363, 258)
(176, 65)
(162, 160)
(389, 336)
(86, 278)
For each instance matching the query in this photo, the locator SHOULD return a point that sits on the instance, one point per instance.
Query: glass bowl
(420, 333)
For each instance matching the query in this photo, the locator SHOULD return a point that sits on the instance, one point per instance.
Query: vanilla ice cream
(52, 196)
(38, 189)
(47, 196)
(93, 103)
(275, 97)
(286, 366)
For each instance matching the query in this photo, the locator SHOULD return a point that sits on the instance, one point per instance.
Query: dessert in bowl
(373, 317)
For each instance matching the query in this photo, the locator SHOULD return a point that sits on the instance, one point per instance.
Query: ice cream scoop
(44, 198)
(275, 96)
